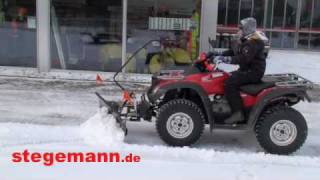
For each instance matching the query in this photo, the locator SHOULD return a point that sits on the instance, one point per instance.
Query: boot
(235, 118)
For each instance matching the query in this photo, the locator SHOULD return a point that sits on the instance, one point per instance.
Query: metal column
(43, 35)
(298, 17)
(208, 30)
(124, 31)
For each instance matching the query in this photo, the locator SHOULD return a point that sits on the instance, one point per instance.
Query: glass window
(18, 33)
(176, 26)
(278, 13)
(258, 12)
(86, 34)
(291, 14)
(316, 16)
(305, 19)
(276, 39)
(222, 11)
(303, 41)
(315, 41)
(268, 34)
(269, 14)
(288, 40)
(233, 13)
(246, 8)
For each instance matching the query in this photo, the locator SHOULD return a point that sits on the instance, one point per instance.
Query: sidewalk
(52, 102)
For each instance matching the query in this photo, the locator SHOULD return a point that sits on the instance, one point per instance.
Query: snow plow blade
(113, 109)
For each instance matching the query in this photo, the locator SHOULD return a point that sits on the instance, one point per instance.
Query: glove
(222, 59)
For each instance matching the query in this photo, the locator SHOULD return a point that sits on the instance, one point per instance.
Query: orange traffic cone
(99, 80)
(127, 97)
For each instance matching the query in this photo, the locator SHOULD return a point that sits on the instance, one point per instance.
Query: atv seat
(255, 89)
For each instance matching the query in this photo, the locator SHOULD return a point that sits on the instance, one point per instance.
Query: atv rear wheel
(281, 130)
(180, 122)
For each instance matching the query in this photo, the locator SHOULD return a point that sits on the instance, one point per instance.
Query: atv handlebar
(206, 63)
(210, 56)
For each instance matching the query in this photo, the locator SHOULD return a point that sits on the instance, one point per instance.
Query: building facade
(289, 24)
(95, 35)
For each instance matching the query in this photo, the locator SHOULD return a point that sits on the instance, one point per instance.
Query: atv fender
(269, 98)
(156, 93)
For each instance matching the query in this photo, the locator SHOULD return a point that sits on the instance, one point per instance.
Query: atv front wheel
(281, 130)
(180, 122)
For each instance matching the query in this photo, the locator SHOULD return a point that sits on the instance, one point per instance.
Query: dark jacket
(250, 56)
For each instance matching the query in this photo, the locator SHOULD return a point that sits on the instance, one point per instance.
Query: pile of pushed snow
(102, 129)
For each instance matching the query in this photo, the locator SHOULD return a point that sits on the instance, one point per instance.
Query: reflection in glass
(268, 34)
(276, 38)
(269, 14)
(291, 14)
(233, 13)
(288, 39)
(315, 41)
(18, 33)
(258, 12)
(174, 24)
(86, 35)
(306, 9)
(278, 13)
(316, 16)
(303, 41)
(246, 8)
(222, 11)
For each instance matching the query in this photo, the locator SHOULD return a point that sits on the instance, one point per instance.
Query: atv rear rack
(294, 80)
(289, 80)
(277, 77)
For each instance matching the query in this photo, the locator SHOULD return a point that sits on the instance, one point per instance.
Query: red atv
(184, 101)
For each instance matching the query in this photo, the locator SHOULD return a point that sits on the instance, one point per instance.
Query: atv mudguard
(155, 94)
(272, 97)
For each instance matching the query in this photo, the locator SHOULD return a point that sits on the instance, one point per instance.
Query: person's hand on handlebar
(222, 59)
(210, 56)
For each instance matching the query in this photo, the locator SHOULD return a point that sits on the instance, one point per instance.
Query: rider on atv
(183, 102)
(251, 58)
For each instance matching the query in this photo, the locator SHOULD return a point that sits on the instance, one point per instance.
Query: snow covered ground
(51, 116)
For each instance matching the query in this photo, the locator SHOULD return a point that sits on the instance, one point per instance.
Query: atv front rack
(294, 80)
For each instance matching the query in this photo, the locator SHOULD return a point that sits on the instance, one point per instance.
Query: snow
(306, 64)
(102, 130)
(54, 116)
(15, 134)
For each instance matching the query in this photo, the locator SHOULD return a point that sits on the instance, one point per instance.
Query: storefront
(95, 35)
